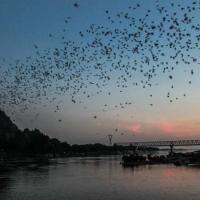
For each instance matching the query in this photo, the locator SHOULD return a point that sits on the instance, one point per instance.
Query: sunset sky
(25, 23)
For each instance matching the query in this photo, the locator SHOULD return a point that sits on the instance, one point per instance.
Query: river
(101, 178)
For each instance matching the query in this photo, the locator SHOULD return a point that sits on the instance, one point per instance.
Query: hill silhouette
(28, 142)
(7, 127)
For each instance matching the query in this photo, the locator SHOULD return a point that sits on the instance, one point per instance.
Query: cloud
(181, 128)
(166, 128)
(135, 128)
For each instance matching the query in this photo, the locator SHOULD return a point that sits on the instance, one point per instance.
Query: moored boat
(133, 160)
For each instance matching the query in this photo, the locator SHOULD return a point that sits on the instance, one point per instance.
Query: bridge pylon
(171, 152)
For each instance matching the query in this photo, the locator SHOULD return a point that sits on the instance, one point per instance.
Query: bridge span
(170, 143)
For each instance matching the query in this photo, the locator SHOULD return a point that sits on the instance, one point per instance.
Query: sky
(25, 23)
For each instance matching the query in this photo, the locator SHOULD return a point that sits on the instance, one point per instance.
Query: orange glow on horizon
(135, 128)
(185, 128)
(181, 128)
(167, 127)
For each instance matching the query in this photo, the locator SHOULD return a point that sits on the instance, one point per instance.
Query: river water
(101, 178)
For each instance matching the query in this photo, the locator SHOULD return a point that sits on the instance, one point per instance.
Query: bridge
(170, 143)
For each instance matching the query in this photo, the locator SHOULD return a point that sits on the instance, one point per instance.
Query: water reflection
(5, 180)
(100, 178)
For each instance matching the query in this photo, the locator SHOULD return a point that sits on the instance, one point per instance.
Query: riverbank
(178, 159)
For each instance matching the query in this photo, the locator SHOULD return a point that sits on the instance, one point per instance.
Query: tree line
(33, 142)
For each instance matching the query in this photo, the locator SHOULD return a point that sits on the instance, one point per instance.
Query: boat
(133, 160)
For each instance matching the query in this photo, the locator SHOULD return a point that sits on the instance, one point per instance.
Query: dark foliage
(27, 142)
